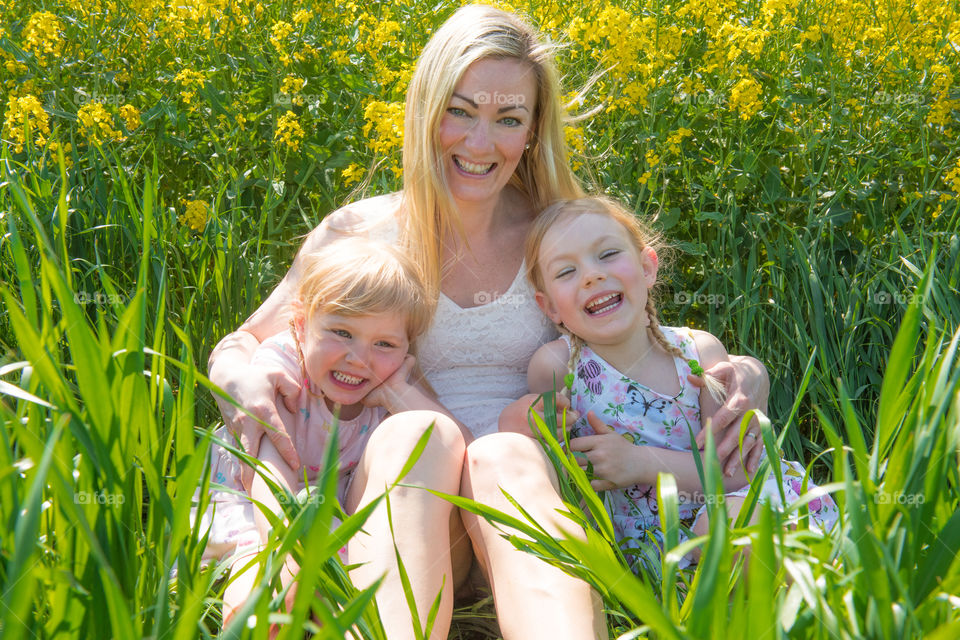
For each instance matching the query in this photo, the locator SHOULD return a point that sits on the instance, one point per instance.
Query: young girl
(359, 306)
(594, 268)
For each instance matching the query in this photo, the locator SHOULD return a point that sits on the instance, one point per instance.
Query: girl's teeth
(470, 167)
(600, 304)
(342, 377)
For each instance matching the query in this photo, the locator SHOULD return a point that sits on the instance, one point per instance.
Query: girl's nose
(593, 276)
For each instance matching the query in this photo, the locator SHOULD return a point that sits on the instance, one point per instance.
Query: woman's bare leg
(533, 599)
(422, 523)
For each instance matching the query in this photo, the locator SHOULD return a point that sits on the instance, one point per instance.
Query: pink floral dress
(649, 418)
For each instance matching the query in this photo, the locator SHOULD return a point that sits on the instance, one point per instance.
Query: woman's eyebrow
(500, 110)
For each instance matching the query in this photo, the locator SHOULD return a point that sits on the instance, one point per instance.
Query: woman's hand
(614, 460)
(257, 390)
(515, 417)
(747, 386)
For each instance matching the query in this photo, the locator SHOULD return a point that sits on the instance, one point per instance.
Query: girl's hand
(747, 385)
(395, 393)
(257, 390)
(614, 459)
(514, 418)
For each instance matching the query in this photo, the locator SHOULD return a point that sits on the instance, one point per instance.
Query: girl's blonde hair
(356, 276)
(640, 235)
(472, 33)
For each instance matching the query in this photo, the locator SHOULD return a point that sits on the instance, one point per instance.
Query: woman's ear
(547, 307)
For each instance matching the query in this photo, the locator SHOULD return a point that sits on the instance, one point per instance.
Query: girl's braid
(657, 334)
(576, 345)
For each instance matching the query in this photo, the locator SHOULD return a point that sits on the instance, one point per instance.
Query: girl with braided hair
(594, 268)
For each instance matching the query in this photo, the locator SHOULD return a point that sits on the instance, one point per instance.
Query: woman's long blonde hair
(473, 33)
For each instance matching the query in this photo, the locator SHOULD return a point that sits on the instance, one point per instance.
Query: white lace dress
(476, 358)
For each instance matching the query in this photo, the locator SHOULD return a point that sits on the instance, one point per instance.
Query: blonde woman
(483, 153)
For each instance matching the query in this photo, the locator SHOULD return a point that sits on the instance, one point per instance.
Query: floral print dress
(646, 417)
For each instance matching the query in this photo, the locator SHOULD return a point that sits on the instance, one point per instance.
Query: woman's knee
(400, 434)
(508, 460)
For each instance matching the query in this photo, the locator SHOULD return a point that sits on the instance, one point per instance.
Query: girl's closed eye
(564, 272)
(609, 253)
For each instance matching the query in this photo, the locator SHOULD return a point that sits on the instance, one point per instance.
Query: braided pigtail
(714, 387)
(576, 346)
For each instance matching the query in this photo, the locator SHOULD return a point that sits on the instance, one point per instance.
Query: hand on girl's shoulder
(710, 348)
(548, 366)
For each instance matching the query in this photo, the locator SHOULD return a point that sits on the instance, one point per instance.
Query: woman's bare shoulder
(374, 217)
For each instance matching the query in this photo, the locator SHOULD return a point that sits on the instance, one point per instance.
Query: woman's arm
(748, 387)
(545, 373)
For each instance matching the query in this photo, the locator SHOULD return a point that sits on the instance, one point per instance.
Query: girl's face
(347, 356)
(595, 279)
(487, 124)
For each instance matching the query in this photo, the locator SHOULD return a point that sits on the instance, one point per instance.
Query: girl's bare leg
(533, 599)
(422, 523)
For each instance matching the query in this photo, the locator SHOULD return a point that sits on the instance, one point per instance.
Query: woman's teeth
(342, 377)
(472, 168)
(603, 303)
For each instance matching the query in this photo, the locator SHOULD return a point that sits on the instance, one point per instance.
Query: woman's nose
(478, 136)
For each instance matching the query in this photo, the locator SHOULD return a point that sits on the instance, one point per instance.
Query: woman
(483, 153)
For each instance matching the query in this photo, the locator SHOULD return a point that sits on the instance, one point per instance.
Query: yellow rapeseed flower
(351, 174)
(25, 119)
(383, 128)
(745, 98)
(195, 215)
(302, 17)
(131, 116)
(952, 178)
(96, 123)
(42, 38)
(289, 131)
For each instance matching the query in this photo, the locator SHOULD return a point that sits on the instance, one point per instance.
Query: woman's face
(487, 124)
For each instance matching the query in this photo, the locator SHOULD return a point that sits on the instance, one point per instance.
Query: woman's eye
(511, 122)
(457, 112)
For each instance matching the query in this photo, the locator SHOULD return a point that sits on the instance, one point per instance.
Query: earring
(527, 146)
